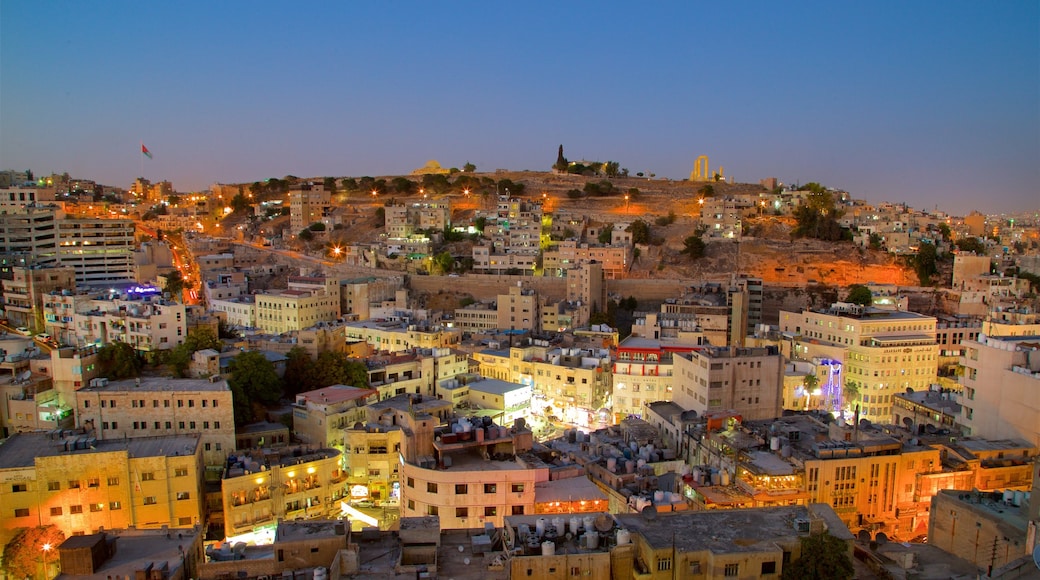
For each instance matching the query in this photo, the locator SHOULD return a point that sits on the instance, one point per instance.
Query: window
(21, 513)
(731, 570)
(19, 487)
(518, 510)
(157, 425)
(149, 500)
(411, 482)
(184, 521)
(53, 486)
(411, 504)
(113, 481)
(73, 484)
(180, 403)
(155, 403)
(180, 472)
(208, 447)
(205, 424)
(490, 511)
(183, 495)
(148, 476)
(461, 489)
(93, 482)
(431, 510)
(166, 403)
(664, 564)
(431, 487)
(768, 568)
(490, 488)
(191, 403)
(216, 424)
(214, 402)
(75, 509)
(96, 507)
(115, 505)
(518, 488)
(461, 512)
(55, 511)
(191, 425)
(180, 424)
(695, 567)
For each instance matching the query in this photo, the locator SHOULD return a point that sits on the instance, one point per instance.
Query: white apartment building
(1001, 398)
(238, 312)
(643, 374)
(148, 324)
(396, 336)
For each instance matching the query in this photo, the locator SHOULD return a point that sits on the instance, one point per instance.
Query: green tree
(469, 167)
(860, 294)
(253, 382)
(300, 366)
(694, 247)
(24, 554)
(330, 185)
(240, 203)
(606, 233)
(118, 360)
(707, 190)
(925, 263)
(971, 244)
(403, 185)
(442, 263)
(875, 241)
(306, 234)
(945, 231)
(823, 557)
(480, 223)
(666, 220)
(611, 168)
(175, 285)
(179, 358)
(349, 185)
(334, 368)
(640, 232)
(561, 161)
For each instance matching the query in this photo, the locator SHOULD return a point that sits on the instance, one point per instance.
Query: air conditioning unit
(801, 525)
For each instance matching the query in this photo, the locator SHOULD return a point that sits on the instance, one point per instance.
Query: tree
(945, 231)
(300, 366)
(606, 233)
(469, 167)
(824, 557)
(24, 553)
(860, 294)
(925, 263)
(307, 235)
(561, 161)
(640, 232)
(201, 338)
(240, 203)
(875, 241)
(349, 185)
(330, 185)
(118, 360)
(175, 285)
(693, 246)
(334, 368)
(403, 185)
(253, 381)
(442, 263)
(611, 168)
(707, 190)
(971, 244)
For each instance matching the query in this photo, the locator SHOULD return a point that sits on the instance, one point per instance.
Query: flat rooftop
(495, 386)
(159, 384)
(336, 394)
(134, 550)
(726, 531)
(567, 490)
(291, 531)
(22, 449)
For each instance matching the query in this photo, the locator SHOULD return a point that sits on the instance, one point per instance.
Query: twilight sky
(935, 104)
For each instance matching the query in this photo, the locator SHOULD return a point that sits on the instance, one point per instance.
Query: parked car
(23, 331)
(44, 338)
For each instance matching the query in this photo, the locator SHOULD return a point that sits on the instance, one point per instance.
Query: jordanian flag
(146, 152)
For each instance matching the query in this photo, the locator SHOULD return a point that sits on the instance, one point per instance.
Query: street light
(626, 203)
(46, 552)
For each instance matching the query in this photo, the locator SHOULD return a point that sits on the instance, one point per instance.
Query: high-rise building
(308, 203)
(1001, 380)
(746, 380)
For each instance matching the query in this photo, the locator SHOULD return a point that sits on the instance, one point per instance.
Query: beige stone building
(306, 302)
(321, 415)
(393, 336)
(81, 484)
(746, 380)
(518, 309)
(159, 406)
(308, 203)
(643, 373)
(28, 288)
(885, 352)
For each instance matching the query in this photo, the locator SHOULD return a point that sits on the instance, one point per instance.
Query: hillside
(768, 252)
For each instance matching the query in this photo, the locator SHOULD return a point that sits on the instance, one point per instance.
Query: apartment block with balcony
(25, 294)
(148, 324)
(319, 416)
(396, 336)
(308, 203)
(81, 484)
(263, 487)
(643, 373)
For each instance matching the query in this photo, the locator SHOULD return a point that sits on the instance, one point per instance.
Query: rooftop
(134, 550)
(158, 384)
(335, 394)
(729, 531)
(22, 449)
(299, 530)
(570, 489)
(495, 386)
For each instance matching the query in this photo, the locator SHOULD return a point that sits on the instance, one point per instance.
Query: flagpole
(141, 155)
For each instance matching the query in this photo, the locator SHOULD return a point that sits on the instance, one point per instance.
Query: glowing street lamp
(626, 203)
(46, 552)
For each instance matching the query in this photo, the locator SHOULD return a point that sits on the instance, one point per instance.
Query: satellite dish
(649, 513)
(881, 538)
(25, 375)
(864, 536)
(909, 423)
(1036, 556)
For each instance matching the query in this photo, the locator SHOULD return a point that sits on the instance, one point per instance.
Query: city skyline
(892, 102)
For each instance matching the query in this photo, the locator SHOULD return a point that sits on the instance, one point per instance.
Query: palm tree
(810, 382)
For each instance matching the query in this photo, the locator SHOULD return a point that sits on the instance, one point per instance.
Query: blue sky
(935, 104)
